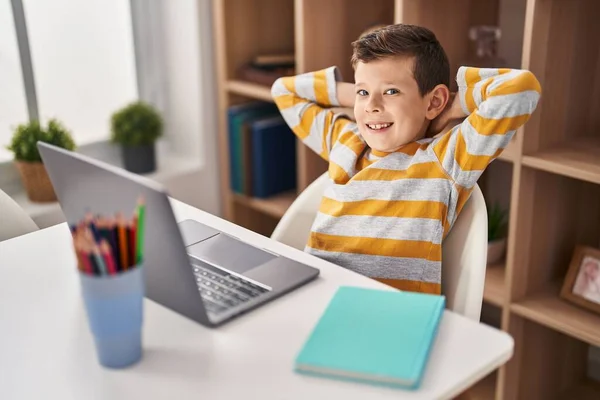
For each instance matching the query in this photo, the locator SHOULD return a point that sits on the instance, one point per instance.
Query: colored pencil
(132, 243)
(100, 260)
(141, 216)
(89, 268)
(88, 256)
(115, 245)
(95, 251)
(109, 245)
(91, 223)
(122, 241)
(108, 257)
(82, 255)
(82, 264)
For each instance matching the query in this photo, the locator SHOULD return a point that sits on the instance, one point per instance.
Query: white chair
(464, 251)
(14, 221)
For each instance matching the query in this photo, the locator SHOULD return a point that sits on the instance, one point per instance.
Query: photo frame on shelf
(582, 282)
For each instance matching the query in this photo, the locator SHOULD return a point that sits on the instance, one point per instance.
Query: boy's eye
(392, 91)
(362, 92)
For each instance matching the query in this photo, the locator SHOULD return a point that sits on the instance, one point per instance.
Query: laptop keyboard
(221, 290)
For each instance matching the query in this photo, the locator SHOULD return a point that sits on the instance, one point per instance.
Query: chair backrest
(464, 258)
(14, 221)
(464, 250)
(293, 228)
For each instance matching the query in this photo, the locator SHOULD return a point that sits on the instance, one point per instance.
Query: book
(373, 336)
(275, 59)
(273, 151)
(236, 116)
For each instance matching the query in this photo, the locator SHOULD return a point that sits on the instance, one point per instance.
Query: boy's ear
(438, 99)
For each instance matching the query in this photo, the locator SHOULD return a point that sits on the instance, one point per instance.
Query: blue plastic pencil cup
(114, 306)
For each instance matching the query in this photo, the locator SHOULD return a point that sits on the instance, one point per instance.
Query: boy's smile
(389, 109)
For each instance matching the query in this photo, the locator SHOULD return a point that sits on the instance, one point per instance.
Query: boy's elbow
(276, 88)
(281, 86)
(529, 82)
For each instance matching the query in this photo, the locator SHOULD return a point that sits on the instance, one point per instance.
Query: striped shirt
(384, 215)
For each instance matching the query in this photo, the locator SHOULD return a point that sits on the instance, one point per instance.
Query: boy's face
(389, 110)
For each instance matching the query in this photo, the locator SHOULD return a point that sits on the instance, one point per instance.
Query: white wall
(190, 101)
(185, 80)
(83, 62)
(13, 106)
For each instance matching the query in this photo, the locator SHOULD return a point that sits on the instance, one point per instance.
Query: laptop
(193, 269)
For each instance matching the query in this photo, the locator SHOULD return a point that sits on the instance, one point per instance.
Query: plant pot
(496, 250)
(36, 181)
(139, 159)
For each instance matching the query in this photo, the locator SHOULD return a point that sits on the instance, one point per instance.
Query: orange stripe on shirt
(286, 101)
(320, 87)
(412, 148)
(384, 208)
(376, 246)
(363, 163)
(516, 85)
(290, 83)
(338, 128)
(471, 77)
(324, 149)
(412, 286)
(308, 117)
(352, 141)
(441, 146)
(491, 126)
(426, 170)
(337, 173)
(470, 162)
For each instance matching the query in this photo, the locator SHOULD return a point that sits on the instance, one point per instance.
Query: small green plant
(497, 223)
(136, 124)
(26, 136)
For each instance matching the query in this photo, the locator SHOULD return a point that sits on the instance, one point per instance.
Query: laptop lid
(83, 184)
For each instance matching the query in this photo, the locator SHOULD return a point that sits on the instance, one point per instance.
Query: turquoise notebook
(376, 336)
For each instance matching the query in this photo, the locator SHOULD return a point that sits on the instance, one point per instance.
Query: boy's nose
(373, 106)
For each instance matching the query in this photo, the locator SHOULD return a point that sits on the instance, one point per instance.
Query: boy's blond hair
(431, 66)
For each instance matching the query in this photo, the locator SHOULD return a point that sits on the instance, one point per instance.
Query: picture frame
(582, 282)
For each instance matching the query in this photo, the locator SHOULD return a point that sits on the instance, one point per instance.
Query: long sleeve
(497, 102)
(303, 101)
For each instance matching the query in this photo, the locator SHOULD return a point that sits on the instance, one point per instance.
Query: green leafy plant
(497, 223)
(26, 136)
(136, 124)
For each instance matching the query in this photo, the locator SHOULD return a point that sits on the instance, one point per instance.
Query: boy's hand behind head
(402, 78)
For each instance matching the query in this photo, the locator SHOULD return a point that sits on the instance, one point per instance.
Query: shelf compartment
(579, 160)
(249, 89)
(243, 41)
(485, 389)
(586, 390)
(548, 309)
(510, 153)
(341, 22)
(494, 289)
(275, 206)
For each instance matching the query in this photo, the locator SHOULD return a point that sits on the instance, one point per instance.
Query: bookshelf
(548, 176)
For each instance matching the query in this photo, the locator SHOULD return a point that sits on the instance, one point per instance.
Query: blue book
(237, 115)
(273, 153)
(375, 336)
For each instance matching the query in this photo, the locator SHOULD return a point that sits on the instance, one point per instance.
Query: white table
(46, 350)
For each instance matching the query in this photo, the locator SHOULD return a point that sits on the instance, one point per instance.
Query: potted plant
(27, 157)
(497, 229)
(136, 127)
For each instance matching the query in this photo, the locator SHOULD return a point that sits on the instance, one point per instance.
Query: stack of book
(262, 150)
(265, 69)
